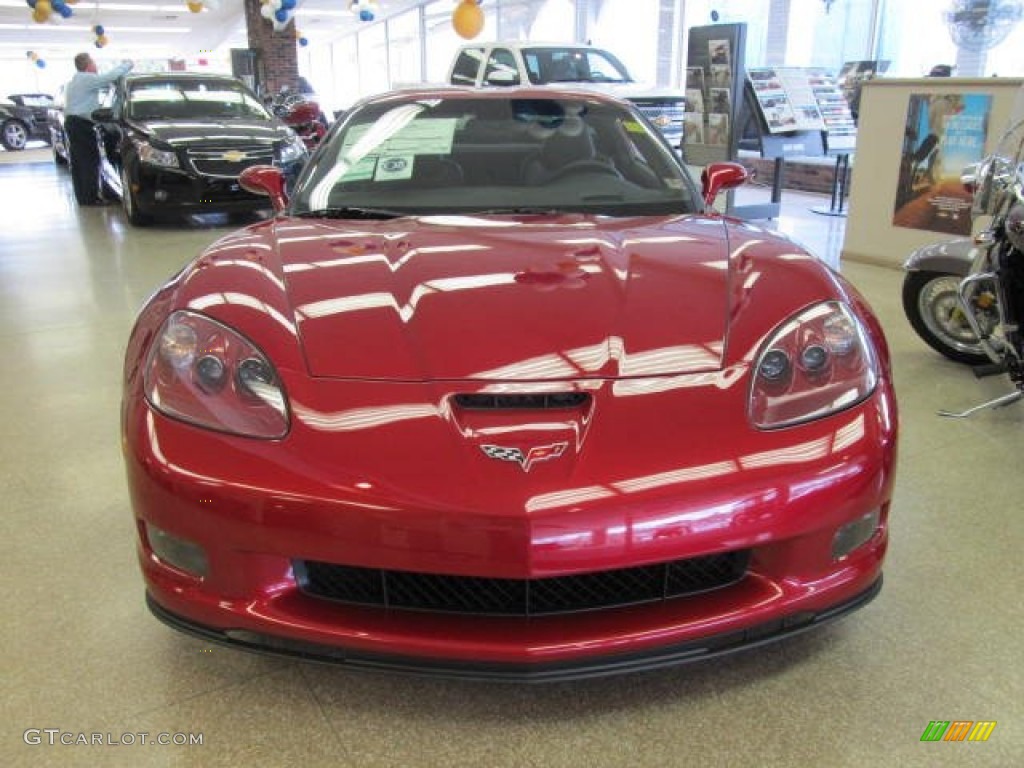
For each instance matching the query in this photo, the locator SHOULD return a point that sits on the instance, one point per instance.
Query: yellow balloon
(102, 40)
(195, 7)
(468, 19)
(41, 14)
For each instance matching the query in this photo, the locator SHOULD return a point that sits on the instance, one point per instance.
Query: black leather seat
(561, 152)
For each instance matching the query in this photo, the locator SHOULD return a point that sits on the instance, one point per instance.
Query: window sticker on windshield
(633, 126)
(392, 167)
(361, 171)
(425, 136)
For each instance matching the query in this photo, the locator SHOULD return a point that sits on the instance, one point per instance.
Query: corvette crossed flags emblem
(528, 459)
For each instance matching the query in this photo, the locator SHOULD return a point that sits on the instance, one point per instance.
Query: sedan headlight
(203, 372)
(816, 363)
(293, 149)
(161, 157)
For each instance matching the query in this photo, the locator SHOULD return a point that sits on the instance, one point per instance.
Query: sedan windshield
(179, 99)
(470, 154)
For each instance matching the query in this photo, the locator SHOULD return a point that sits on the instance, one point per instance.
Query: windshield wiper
(351, 212)
(521, 210)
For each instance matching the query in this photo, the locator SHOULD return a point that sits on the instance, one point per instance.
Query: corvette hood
(529, 299)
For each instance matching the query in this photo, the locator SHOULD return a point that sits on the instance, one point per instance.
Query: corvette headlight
(293, 149)
(816, 363)
(203, 372)
(161, 157)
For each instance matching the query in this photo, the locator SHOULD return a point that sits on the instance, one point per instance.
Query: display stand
(840, 185)
(715, 77)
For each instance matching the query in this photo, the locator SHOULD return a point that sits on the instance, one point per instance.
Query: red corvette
(495, 395)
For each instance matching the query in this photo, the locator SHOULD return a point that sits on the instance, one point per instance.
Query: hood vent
(535, 401)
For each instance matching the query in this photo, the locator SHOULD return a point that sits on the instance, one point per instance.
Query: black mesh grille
(540, 401)
(520, 597)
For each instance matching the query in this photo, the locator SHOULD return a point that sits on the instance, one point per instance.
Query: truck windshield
(573, 65)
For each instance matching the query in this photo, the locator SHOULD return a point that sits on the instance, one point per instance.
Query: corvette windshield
(467, 154)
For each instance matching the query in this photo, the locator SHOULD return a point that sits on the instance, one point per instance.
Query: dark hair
(82, 61)
(941, 70)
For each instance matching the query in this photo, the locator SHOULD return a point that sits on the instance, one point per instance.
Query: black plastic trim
(590, 667)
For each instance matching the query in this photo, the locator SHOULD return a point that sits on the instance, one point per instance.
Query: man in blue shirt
(81, 97)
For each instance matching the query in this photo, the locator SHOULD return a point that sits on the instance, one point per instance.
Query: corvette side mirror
(265, 180)
(718, 177)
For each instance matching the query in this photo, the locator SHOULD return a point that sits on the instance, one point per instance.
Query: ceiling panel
(146, 29)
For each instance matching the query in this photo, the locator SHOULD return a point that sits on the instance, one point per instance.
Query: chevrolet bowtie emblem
(528, 459)
(234, 156)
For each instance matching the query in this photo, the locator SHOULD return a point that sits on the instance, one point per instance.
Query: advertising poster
(944, 133)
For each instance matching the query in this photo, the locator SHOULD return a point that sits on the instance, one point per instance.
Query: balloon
(40, 63)
(281, 15)
(212, 5)
(468, 19)
(98, 30)
(195, 7)
(287, 4)
(303, 42)
(39, 15)
(366, 15)
(267, 11)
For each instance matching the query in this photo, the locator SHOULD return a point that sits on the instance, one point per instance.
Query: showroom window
(827, 36)
(373, 59)
(628, 29)
(345, 89)
(404, 50)
(913, 37)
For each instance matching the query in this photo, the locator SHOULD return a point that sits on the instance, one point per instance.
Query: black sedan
(175, 143)
(24, 118)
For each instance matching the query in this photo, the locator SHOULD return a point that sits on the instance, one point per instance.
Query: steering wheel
(584, 166)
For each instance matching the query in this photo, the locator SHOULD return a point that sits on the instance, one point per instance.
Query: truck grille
(404, 590)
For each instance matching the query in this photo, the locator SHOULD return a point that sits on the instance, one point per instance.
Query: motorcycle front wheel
(933, 309)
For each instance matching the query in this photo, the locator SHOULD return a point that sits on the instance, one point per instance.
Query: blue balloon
(65, 11)
(98, 29)
(281, 15)
(40, 63)
(366, 15)
(287, 5)
(303, 42)
(31, 4)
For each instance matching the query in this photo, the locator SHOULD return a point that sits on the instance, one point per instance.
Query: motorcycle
(965, 298)
(932, 305)
(302, 114)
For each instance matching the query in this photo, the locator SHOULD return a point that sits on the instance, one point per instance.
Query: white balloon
(267, 11)
(280, 25)
(213, 5)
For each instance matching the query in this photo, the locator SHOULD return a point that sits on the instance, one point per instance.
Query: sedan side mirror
(265, 180)
(719, 177)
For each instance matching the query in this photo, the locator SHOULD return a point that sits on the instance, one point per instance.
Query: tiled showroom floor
(83, 655)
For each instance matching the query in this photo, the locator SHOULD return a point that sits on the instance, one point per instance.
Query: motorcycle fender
(952, 257)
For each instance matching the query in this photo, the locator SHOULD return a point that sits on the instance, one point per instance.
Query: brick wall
(277, 59)
(802, 176)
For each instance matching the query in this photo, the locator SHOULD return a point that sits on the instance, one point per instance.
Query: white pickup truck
(516, 63)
